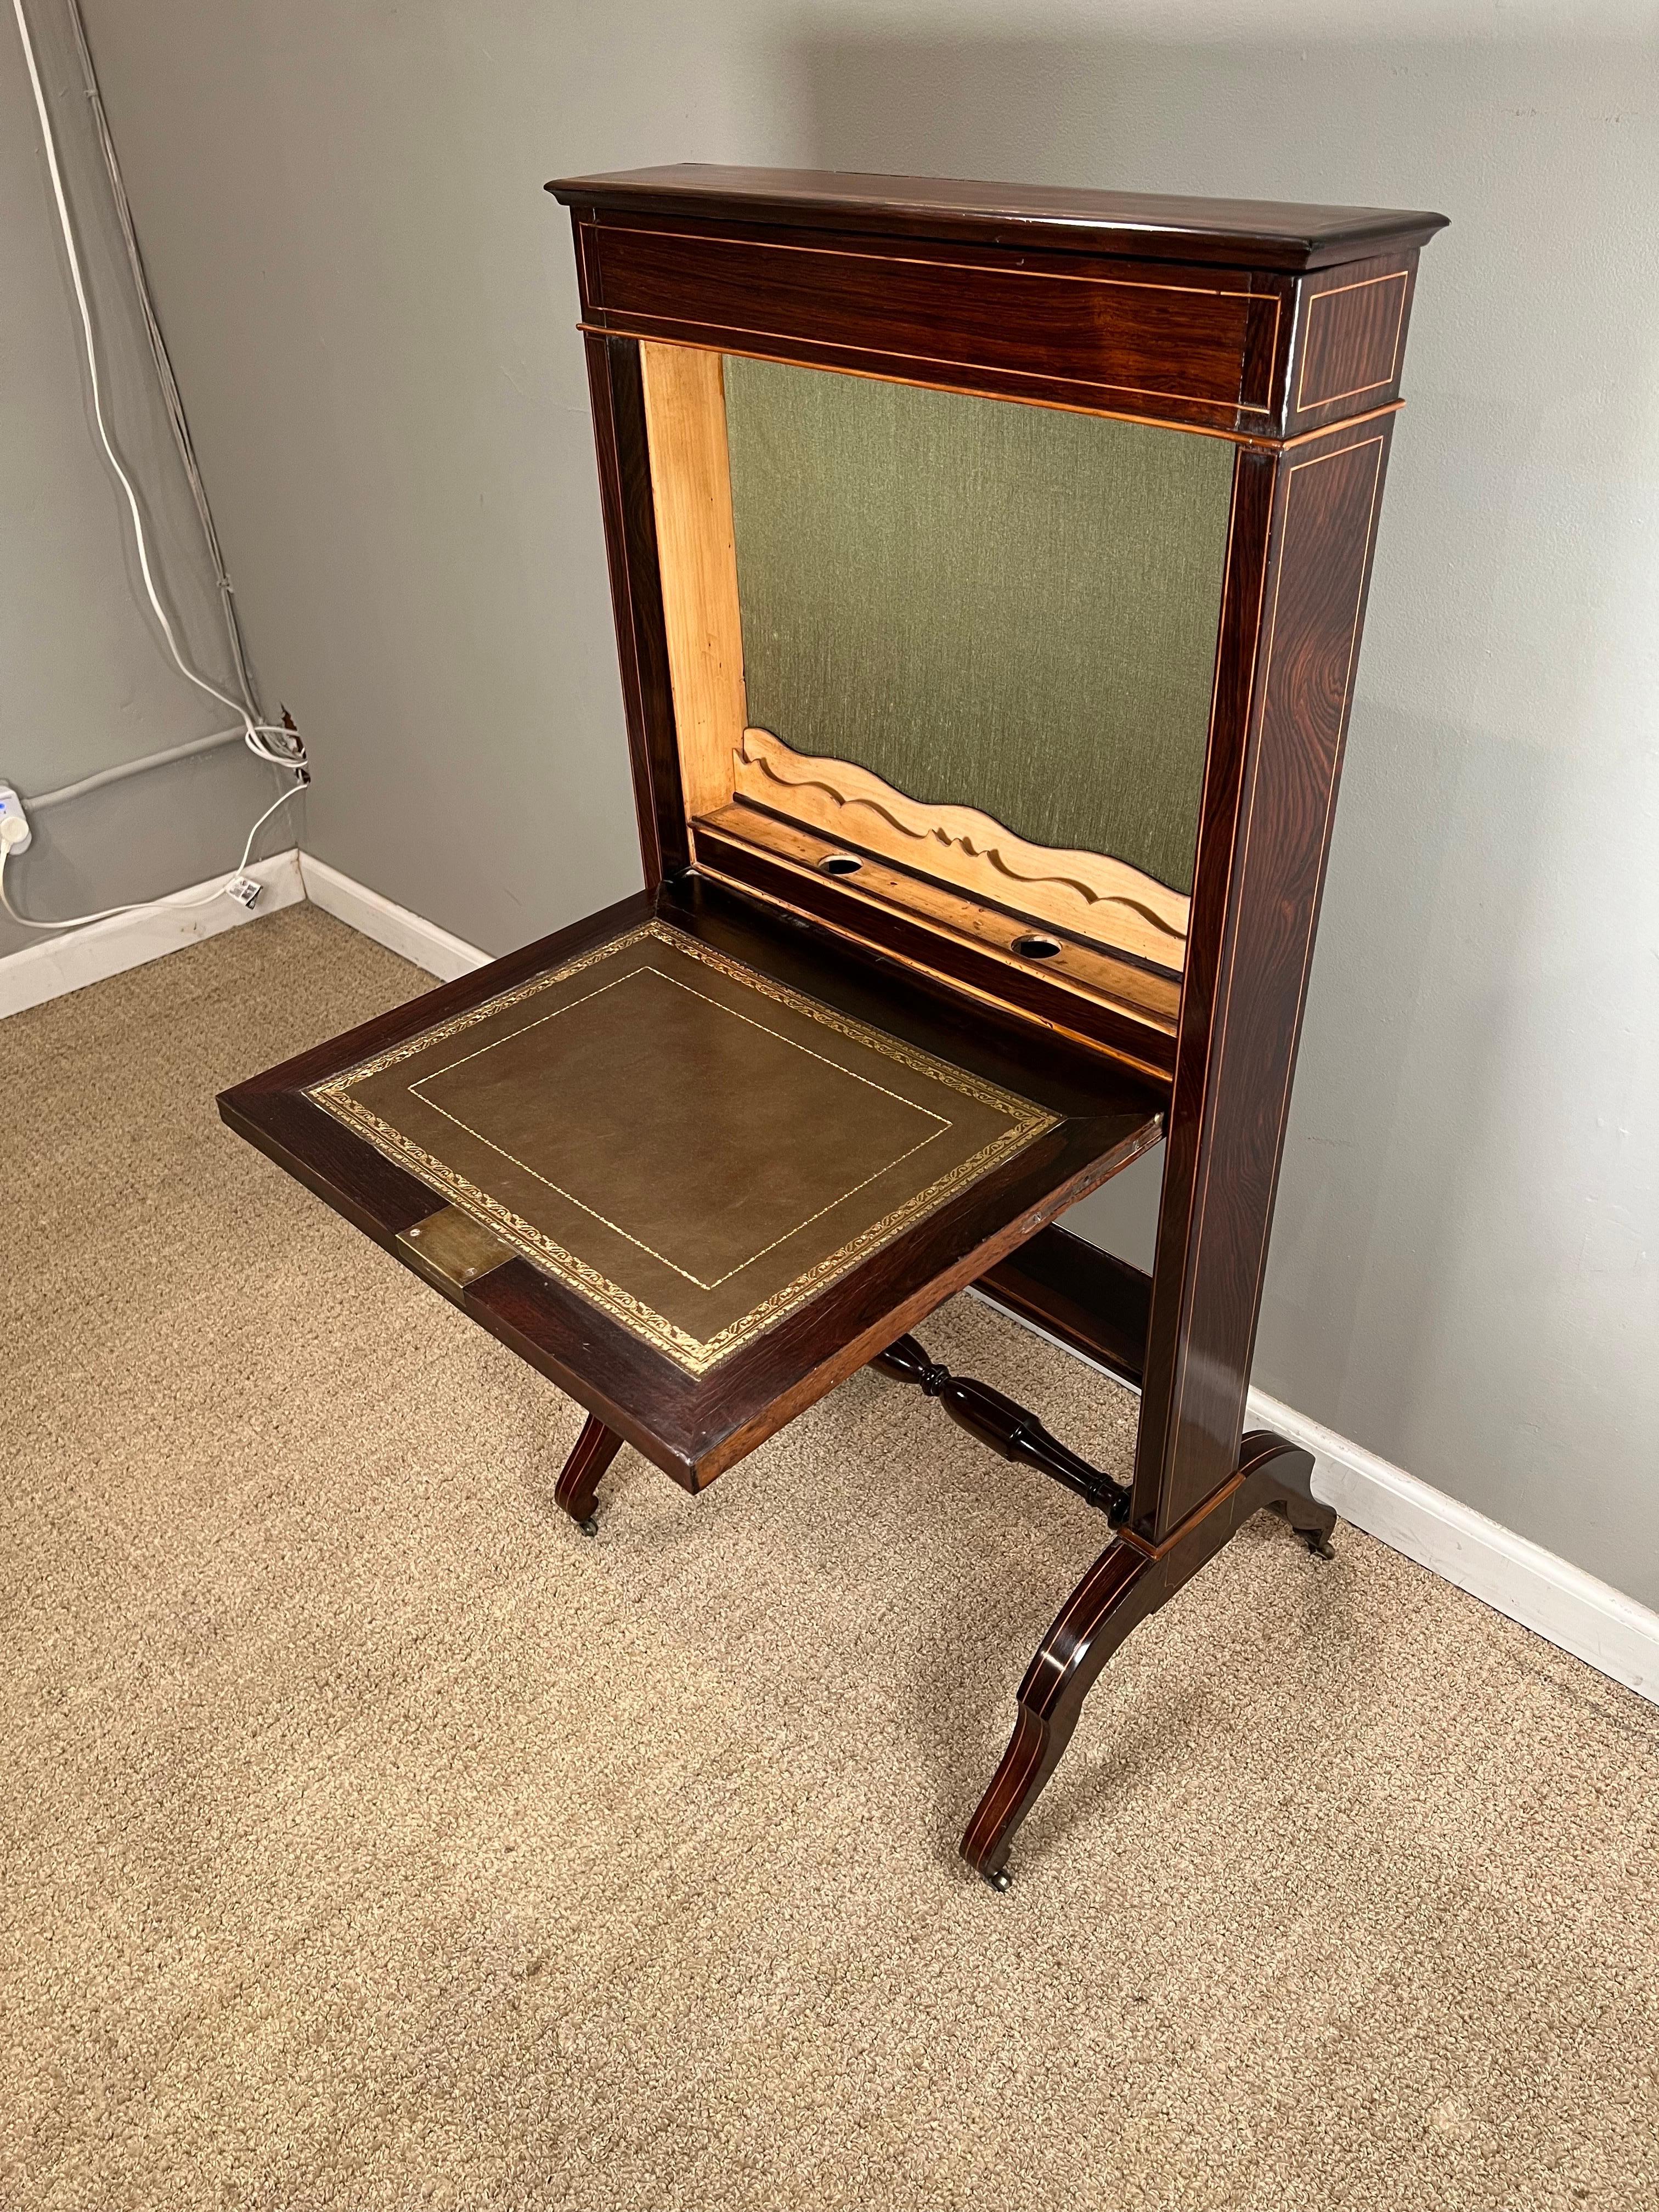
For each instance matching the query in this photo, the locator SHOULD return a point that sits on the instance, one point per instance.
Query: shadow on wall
(1465, 1127)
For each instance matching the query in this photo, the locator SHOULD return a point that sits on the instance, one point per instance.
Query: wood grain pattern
(1145, 994)
(1152, 342)
(1298, 562)
(1268, 806)
(1126, 1584)
(1351, 340)
(1091, 895)
(696, 552)
(694, 1426)
(630, 537)
(1274, 234)
(1161, 371)
(1258, 323)
(1349, 344)
(1205, 422)
(1093, 1301)
(1249, 550)
(931, 931)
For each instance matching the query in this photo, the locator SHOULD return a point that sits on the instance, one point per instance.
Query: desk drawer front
(1171, 344)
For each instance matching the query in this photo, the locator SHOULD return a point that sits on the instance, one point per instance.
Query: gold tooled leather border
(693, 1354)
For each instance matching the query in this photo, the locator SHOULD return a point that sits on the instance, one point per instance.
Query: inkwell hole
(839, 864)
(1035, 948)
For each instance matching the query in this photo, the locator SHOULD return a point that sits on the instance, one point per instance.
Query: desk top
(689, 1143)
(696, 1162)
(1260, 234)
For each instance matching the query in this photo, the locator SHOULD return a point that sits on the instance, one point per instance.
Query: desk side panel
(617, 385)
(1269, 807)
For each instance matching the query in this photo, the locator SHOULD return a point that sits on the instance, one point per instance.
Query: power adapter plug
(15, 835)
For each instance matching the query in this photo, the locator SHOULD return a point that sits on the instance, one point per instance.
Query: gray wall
(371, 305)
(86, 681)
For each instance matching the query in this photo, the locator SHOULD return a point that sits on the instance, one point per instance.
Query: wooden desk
(988, 567)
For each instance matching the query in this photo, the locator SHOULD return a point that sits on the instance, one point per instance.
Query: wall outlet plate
(12, 806)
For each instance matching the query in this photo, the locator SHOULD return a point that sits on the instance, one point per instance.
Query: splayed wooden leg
(1121, 1588)
(1129, 1580)
(584, 1471)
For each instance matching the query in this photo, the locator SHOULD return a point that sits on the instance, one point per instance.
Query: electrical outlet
(11, 810)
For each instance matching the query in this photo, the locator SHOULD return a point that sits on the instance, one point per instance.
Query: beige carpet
(372, 1838)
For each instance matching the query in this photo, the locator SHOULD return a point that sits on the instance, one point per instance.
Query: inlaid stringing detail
(1248, 300)
(1089, 893)
(1400, 276)
(696, 1355)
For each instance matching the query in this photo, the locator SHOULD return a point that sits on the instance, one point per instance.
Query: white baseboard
(1522, 1581)
(80, 957)
(394, 926)
(1519, 1579)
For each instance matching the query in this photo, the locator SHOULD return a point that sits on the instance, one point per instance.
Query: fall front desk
(989, 566)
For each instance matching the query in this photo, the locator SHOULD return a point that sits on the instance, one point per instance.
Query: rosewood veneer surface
(1273, 233)
(1033, 1131)
(1280, 329)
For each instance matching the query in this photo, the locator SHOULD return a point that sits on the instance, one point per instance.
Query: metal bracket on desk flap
(452, 1250)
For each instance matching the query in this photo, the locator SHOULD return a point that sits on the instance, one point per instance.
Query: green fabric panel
(988, 605)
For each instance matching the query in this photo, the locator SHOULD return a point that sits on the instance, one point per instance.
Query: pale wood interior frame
(697, 560)
(1089, 895)
(1147, 994)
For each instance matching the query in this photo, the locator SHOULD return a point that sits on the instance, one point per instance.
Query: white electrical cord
(168, 382)
(12, 830)
(255, 731)
(257, 735)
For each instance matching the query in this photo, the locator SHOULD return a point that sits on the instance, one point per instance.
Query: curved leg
(1125, 1584)
(584, 1471)
(1121, 1588)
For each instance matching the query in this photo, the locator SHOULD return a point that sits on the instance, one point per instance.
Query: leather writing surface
(689, 1143)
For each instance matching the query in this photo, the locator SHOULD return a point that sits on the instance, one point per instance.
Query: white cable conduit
(272, 742)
